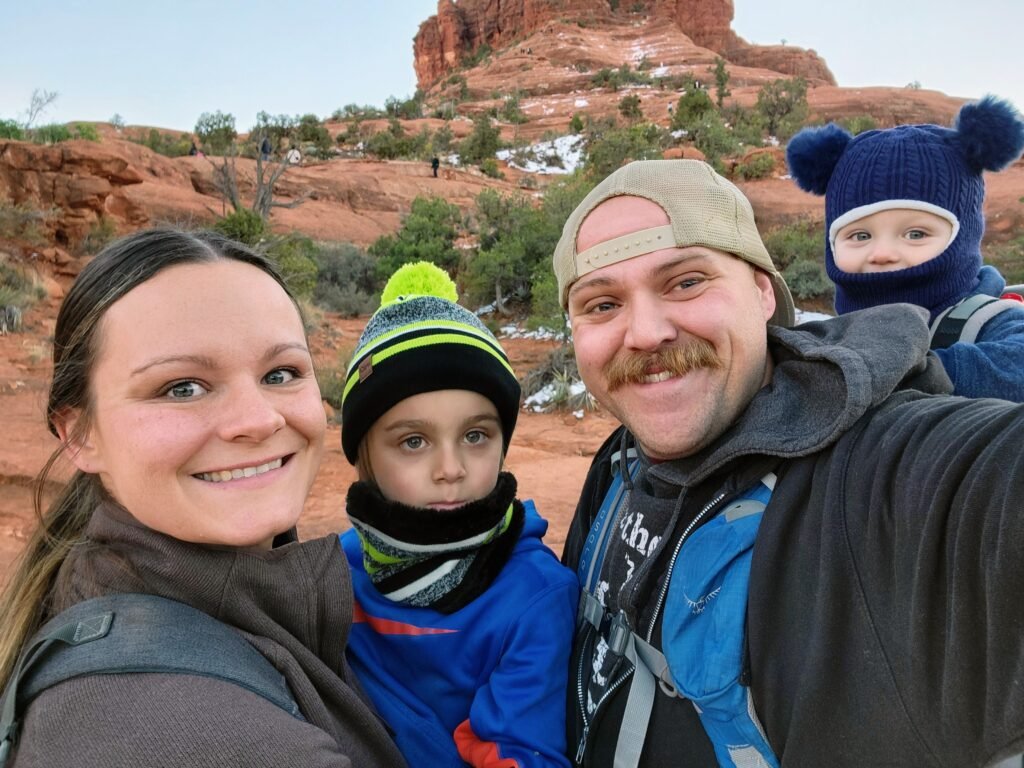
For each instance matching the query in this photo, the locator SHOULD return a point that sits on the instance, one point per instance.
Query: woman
(184, 396)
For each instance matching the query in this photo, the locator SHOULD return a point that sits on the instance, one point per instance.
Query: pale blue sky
(165, 63)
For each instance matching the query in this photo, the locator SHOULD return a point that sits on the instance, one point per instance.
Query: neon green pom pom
(419, 279)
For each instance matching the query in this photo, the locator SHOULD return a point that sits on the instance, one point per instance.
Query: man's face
(673, 343)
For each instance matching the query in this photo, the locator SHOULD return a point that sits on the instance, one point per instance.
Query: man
(883, 624)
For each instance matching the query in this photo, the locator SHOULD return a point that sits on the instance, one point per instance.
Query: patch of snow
(536, 157)
(803, 316)
(581, 103)
(541, 334)
(660, 71)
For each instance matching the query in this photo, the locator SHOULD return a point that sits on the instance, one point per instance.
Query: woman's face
(207, 420)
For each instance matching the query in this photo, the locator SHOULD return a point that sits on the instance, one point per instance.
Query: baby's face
(899, 238)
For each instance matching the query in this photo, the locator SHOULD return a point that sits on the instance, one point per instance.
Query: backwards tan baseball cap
(704, 208)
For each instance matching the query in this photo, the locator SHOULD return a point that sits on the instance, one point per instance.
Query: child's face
(437, 449)
(899, 238)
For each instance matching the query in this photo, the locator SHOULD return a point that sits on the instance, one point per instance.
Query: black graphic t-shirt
(639, 527)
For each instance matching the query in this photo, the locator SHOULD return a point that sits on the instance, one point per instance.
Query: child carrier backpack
(126, 633)
(964, 320)
(703, 635)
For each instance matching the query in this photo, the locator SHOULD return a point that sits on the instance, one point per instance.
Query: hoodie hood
(827, 374)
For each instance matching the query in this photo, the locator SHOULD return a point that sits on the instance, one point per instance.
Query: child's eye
(280, 376)
(476, 436)
(860, 236)
(916, 234)
(184, 390)
(413, 443)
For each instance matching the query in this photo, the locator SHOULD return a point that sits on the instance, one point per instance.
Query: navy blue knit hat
(419, 341)
(922, 167)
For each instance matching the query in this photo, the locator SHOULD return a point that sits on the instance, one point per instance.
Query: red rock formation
(458, 30)
(84, 179)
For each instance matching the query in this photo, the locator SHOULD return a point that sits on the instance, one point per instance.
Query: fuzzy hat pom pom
(419, 279)
(991, 133)
(812, 155)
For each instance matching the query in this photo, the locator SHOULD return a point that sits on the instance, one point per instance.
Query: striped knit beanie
(419, 341)
(920, 167)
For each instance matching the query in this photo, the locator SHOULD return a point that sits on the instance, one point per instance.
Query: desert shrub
(274, 127)
(427, 233)
(745, 124)
(783, 106)
(757, 167)
(101, 232)
(693, 107)
(618, 78)
(1007, 257)
(309, 130)
(807, 279)
(167, 144)
(347, 281)
(23, 222)
(476, 57)
(52, 133)
(242, 225)
(629, 107)
(86, 131)
(489, 167)
(798, 241)
(396, 142)
(406, 109)
(576, 123)
(9, 129)
(721, 75)
(711, 137)
(216, 131)
(559, 378)
(516, 240)
(482, 143)
(607, 150)
(859, 124)
(511, 111)
(18, 288)
(545, 308)
(296, 258)
(441, 141)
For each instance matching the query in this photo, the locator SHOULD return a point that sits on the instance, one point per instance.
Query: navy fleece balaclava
(923, 167)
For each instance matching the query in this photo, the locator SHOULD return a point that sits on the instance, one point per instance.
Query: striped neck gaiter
(429, 558)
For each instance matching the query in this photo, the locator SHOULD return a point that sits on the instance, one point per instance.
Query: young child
(904, 220)
(464, 619)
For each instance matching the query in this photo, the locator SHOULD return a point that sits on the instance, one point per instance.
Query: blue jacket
(994, 365)
(488, 680)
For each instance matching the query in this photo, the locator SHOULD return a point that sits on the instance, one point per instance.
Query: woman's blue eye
(279, 376)
(184, 390)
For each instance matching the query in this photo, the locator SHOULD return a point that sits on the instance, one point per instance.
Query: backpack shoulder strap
(964, 321)
(130, 633)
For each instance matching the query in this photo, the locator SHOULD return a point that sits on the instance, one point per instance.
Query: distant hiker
(464, 618)
(294, 157)
(184, 396)
(435, 163)
(904, 218)
(193, 150)
(265, 148)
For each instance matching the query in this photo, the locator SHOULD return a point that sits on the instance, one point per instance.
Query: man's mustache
(633, 367)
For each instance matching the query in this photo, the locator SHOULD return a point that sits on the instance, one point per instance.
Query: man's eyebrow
(208, 363)
(600, 281)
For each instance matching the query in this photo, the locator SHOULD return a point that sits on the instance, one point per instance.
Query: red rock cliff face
(460, 28)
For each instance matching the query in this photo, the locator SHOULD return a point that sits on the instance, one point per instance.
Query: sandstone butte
(545, 51)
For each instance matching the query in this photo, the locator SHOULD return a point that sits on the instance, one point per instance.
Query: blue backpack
(703, 628)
